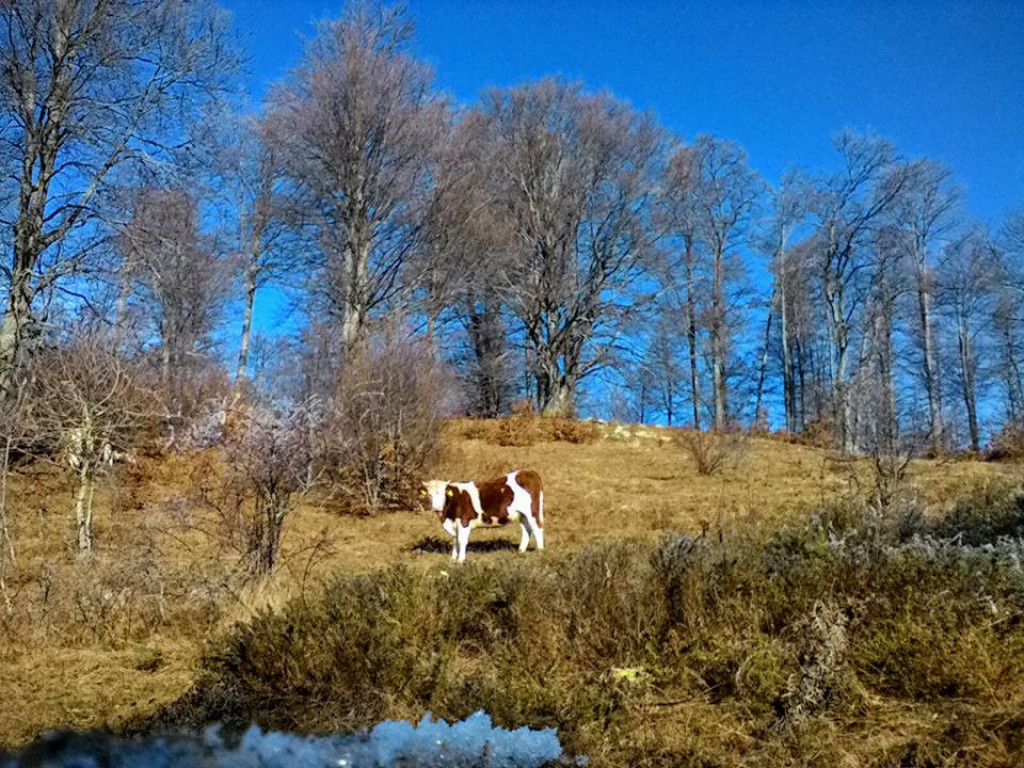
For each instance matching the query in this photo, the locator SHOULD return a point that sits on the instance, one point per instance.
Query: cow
(461, 507)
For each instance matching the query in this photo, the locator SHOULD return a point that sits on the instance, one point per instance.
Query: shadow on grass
(435, 545)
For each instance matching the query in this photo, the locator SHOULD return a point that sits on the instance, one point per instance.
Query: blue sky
(939, 78)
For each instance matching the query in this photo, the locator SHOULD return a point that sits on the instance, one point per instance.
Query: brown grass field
(105, 643)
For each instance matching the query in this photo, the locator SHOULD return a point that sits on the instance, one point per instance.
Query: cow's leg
(463, 537)
(530, 526)
(524, 541)
(455, 546)
(538, 535)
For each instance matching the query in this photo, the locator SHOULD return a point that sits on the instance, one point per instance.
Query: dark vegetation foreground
(861, 637)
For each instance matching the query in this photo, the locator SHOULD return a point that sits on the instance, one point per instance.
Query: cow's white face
(434, 490)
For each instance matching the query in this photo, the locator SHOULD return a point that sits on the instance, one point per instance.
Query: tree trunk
(352, 320)
(165, 357)
(763, 372)
(837, 363)
(788, 393)
(487, 338)
(843, 392)
(250, 300)
(13, 326)
(839, 350)
(930, 366)
(121, 311)
(691, 334)
(356, 266)
(1014, 383)
(30, 242)
(7, 555)
(888, 420)
(643, 399)
(83, 507)
(800, 385)
(556, 385)
(718, 344)
(967, 380)
(561, 397)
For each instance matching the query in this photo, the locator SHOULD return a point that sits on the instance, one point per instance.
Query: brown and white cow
(461, 507)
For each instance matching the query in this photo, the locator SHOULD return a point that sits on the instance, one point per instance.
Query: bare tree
(89, 405)
(267, 452)
(969, 269)
(575, 175)
(1011, 237)
(87, 88)
(680, 274)
(12, 434)
(1008, 319)
(877, 376)
(924, 213)
(848, 207)
(789, 203)
(265, 211)
(180, 283)
(726, 195)
(662, 360)
(384, 426)
(356, 126)
(467, 245)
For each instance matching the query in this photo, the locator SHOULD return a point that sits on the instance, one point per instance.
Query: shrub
(1008, 444)
(564, 429)
(713, 451)
(821, 433)
(520, 429)
(267, 456)
(385, 423)
(820, 680)
(525, 428)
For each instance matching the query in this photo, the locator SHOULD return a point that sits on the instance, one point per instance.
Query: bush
(1007, 445)
(384, 427)
(525, 428)
(713, 451)
(267, 455)
(520, 429)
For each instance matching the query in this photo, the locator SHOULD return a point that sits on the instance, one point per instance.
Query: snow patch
(431, 743)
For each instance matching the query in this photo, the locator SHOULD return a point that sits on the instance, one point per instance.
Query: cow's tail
(540, 508)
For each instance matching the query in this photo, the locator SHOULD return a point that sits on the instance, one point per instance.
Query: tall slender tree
(727, 194)
(788, 207)
(357, 126)
(849, 206)
(924, 213)
(681, 273)
(967, 274)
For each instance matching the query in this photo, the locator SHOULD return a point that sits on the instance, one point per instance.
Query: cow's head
(435, 492)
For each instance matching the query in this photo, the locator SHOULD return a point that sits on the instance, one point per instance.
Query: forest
(546, 244)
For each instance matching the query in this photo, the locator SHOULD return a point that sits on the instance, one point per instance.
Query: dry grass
(633, 484)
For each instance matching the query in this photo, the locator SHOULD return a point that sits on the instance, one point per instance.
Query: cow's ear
(449, 493)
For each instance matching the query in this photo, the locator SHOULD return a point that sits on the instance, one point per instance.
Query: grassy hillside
(123, 637)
